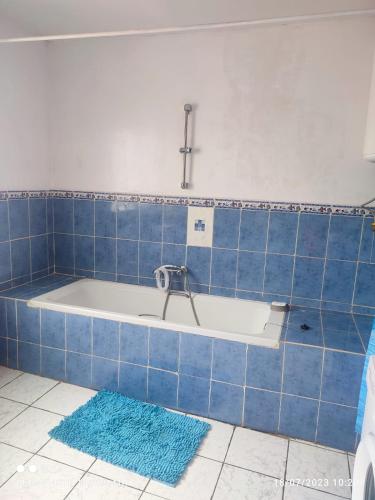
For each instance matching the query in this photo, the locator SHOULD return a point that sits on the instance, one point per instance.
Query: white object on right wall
(369, 151)
(200, 225)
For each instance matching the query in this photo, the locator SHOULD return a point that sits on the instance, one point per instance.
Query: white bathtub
(245, 321)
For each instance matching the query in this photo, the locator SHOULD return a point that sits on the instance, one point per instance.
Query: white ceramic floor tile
(319, 468)
(64, 398)
(42, 479)
(198, 482)
(351, 459)
(97, 488)
(9, 410)
(69, 456)
(29, 430)
(318, 445)
(7, 375)
(27, 388)
(240, 484)
(10, 459)
(216, 442)
(301, 493)
(258, 452)
(119, 474)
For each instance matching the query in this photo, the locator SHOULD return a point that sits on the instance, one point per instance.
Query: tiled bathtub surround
(26, 237)
(308, 388)
(308, 255)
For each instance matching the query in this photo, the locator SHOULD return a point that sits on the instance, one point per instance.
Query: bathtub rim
(270, 337)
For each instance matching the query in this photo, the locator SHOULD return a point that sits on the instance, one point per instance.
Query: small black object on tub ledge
(305, 327)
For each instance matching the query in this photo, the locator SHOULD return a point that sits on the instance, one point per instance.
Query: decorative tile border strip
(195, 202)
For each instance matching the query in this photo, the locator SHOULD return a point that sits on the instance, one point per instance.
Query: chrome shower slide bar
(185, 150)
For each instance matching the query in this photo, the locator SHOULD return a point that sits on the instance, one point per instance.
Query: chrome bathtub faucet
(164, 280)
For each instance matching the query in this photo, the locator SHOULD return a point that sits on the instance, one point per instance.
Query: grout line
(223, 463)
(286, 467)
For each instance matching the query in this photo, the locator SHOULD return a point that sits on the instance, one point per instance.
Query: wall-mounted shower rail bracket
(185, 150)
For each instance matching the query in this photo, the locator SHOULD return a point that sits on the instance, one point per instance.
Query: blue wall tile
(151, 217)
(162, 388)
(345, 341)
(262, 410)
(19, 218)
(84, 217)
(302, 370)
(193, 395)
(229, 361)
(344, 237)
(364, 290)
(164, 349)
(149, 258)
(339, 290)
(3, 318)
(253, 232)
(264, 368)
(226, 402)
(342, 374)
(282, 232)
(11, 318)
(28, 322)
(223, 268)
(174, 254)
(128, 220)
(312, 235)
(105, 218)
(5, 266)
(38, 216)
(39, 253)
(366, 240)
(195, 355)
(222, 292)
(12, 354)
(198, 262)
(63, 215)
(53, 363)
(20, 250)
(175, 224)
(78, 333)
(78, 369)
(105, 338)
(83, 252)
(53, 328)
(278, 274)
(226, 228)
(29, 357)
(105, 374)
(312, 336)
(134, 343)
(4, 221)
(298, 417)
(3, 351)
(105, 255)
(133, 381)
(64, 256)
(250, 271)
(308, 277)
(127, 257)
(336, 427)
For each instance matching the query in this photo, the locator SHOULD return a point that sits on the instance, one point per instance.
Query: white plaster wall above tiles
(271, 107)
(200, 226)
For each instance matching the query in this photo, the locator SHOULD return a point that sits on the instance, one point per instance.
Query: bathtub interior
(236, 319)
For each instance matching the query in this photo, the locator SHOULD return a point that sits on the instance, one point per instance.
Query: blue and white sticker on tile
(200, 226)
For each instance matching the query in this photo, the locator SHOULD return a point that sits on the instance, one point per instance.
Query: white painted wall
(23, 115)
(280, 112)
(369, 149)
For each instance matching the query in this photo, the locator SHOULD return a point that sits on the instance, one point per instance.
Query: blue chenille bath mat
(141, 437)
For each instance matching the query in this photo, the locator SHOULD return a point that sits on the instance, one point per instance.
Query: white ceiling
(60, 17)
